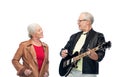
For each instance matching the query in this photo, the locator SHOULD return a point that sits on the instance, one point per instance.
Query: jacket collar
(91, 30)
(31, 43)
(31, 49)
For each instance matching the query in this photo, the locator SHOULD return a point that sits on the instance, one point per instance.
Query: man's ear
(88, 22)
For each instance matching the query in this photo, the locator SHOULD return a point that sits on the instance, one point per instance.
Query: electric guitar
(70, 61)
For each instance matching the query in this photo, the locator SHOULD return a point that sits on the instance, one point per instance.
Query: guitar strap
(90, 38)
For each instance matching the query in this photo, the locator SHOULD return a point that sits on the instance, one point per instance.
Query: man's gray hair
(88, 16)
(31, 29)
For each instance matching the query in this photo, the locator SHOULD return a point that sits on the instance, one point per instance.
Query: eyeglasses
(82, 20)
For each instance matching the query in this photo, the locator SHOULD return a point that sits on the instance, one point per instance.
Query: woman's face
(38, 32)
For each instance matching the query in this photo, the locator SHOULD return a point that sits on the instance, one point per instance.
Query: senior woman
(34, 54)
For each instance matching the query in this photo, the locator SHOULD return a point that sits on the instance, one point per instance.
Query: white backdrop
(58, 19)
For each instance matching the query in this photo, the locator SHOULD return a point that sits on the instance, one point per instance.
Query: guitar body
(64, 71)
(66, 65)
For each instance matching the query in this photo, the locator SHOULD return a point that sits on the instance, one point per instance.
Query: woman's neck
(36, 42)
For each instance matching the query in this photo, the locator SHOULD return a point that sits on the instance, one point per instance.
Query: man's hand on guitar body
(64, 53)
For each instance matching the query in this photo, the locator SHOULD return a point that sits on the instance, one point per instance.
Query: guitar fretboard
(85, 54)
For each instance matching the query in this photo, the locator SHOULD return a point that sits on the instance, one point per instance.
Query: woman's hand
(27, 72)
(46, 74)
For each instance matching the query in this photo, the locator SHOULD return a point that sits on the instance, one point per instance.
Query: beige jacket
(27, 53)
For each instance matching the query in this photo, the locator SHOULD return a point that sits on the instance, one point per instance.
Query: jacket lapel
(32, 51)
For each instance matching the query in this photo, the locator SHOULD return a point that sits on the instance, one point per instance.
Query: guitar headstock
(105, 45)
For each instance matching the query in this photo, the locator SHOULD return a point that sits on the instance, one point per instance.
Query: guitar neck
(85, 54)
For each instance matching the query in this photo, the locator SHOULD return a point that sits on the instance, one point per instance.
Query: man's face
(82, 22)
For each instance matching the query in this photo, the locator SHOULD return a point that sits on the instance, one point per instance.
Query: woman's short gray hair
(88, 16)
(31, 29)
